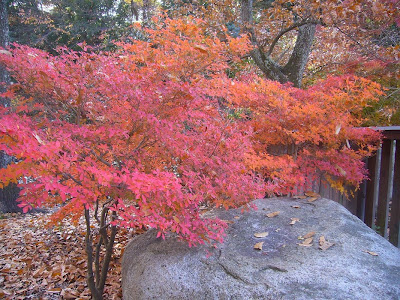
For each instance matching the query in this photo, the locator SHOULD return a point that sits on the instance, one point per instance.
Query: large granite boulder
(360, 265)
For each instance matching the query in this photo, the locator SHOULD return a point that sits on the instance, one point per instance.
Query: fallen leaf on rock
(294, 220)
(258, 246)
(273, 214)
(306, 242)
(324, 244)
(295, 206)
(312, 199)
(261, 234)
(371, 253)
(236, 217)
(299, 197)
(308, 235)
(228, 221)
(312, 194)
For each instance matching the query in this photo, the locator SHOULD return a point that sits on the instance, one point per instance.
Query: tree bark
(4, 42)
(247, 12)
(293, 71)
(10, 193)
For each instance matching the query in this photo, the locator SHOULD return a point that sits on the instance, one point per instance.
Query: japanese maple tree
(148, 135)
(135, 136)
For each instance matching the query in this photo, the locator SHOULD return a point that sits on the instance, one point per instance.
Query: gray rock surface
(156, 269)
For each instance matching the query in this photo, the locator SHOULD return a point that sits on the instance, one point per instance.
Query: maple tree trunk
(8, 194)
(96, 277)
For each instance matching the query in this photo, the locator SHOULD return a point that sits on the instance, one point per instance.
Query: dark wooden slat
(395, 209)
(369, 203)
(392, 135)
(389, 132)
(360, 196)
(350, 203)
(383, 188)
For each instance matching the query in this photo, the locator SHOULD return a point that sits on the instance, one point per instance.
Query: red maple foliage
(154, 131)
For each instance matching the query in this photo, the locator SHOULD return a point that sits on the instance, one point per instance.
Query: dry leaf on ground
(371, 253)
(273, 214)
(50, 263)
(258, 246)
(261, 234)
(312, 199)
(306, 242)
(307, 235)
(295, 206)
(294, 220)
(228, 221)
(324, 244)
(299, 197)
(312, 194)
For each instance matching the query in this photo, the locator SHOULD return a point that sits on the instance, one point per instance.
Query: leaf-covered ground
(37, 262)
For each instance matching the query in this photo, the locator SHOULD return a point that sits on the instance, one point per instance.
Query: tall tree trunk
(8, 194)
(4, 42)
(293, 71)
(247, 12)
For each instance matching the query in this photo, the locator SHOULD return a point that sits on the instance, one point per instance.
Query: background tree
(285, 33)
(9, 193)
(29, 22)
(51, 23)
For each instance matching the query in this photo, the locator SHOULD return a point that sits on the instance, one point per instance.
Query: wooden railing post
(372, 187)
(360, 199)
(385, 187)
(394, 225)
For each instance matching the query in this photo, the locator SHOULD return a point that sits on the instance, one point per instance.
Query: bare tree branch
(286, 30)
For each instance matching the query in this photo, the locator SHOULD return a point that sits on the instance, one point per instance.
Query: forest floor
(38, 262)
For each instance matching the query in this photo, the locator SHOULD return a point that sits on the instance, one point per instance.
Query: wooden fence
(377, 202)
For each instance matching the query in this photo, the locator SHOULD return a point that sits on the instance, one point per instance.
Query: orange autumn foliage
(159, 129)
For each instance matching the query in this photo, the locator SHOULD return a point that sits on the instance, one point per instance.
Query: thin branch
(72, 177)
(219, 140)
(96, 210)
(142, 142)
(282, 55)
(103, 225)
(370, 52)
(392, 93)
(100, 158)
(286, 30)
